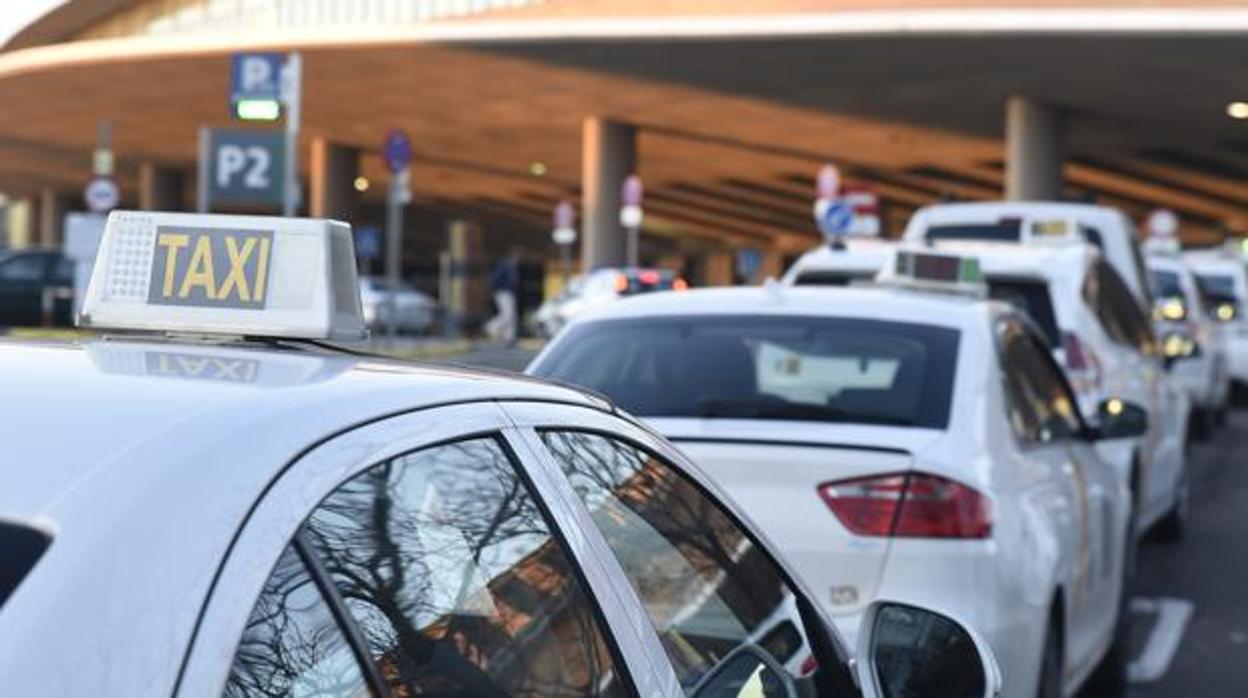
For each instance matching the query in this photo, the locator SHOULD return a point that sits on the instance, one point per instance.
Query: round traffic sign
(565, 215)
(828, 183)
(1163, 223)
(632, 191)
(833, 216)
(101, 195)
(397, 150)
(563, 236)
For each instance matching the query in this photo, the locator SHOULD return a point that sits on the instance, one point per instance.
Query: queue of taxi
(245, 508)
(987, 416)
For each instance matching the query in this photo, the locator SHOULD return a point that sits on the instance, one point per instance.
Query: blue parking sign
(256, 76)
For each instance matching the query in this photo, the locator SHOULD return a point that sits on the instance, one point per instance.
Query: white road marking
(1163, 642)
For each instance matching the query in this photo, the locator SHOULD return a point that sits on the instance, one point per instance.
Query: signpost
(564, 235)
(242, 167)
(256, 86)
(397, 150)
(101, 194)
(631, 216)
(291, 92)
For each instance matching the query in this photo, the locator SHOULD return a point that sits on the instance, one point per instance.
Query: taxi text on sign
(211, 268)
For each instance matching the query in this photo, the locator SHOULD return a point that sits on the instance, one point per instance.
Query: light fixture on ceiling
(538, 169)
(361, 184)
(1237, 110)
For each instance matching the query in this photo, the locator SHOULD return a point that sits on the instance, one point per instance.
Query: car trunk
(774, 472)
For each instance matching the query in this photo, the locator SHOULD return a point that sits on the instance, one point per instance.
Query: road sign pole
(293, 87)
(634, 254)
(202, 185)
(394, 245)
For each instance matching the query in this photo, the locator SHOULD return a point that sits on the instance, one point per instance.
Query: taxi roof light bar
(932, 271)
(254, 276)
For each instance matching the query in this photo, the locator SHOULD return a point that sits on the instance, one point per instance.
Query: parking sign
(246, 167)
(256, 76)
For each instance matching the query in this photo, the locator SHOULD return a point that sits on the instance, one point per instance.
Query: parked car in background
(892, 441)
(1191, 340)
(1107, 229)
(36, 288)
(1223, 280)
(598, 288)
(416, 311)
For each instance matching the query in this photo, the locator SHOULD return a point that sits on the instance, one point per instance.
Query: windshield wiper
(778, 408)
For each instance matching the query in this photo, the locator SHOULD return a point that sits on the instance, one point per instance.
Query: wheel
(1172, 527)
(1201, 424)
(1050, 683)
(1109, 679)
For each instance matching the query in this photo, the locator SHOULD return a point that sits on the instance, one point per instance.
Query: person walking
(505, 285)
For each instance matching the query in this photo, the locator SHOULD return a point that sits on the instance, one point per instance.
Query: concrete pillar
(608, 157)
(719, 268)
(1033, 150)
(53, 205)
(464, 274)
(161, 188)
(20, 220)
(331, 187)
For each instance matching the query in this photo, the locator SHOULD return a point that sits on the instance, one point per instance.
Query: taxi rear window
(832, 278)
(1001, 231)
(20, 548)
(765, 368)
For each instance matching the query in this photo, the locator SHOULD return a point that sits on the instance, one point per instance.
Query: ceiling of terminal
(732, 131)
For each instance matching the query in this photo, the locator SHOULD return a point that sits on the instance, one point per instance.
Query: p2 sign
(246, 167)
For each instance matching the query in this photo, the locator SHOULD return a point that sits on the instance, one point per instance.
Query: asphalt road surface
(1206, 574)
(1189, 621)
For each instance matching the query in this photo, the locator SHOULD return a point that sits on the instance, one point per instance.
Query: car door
(22, 276)
(416, 555)
(709, 587)
(1086, 490)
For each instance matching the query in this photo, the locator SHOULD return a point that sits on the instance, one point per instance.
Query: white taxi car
(1105, 344)
(239, 509)
(1223, 280)
(1191, 339)
(1107, 229)
(892, 440)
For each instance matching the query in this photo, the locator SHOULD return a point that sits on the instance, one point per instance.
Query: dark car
(36, 288)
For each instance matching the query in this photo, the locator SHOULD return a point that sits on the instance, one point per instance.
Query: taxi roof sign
(233, 275)
(934, 271)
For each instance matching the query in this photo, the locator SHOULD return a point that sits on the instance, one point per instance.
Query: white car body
(1108, 229)
(415, 311)
(860, 260)
(1155, 465)
(1220, 267)
(1061, 515)
(1204, 376)
(166, 479)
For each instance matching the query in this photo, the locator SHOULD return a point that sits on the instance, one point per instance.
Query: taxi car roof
(949, 309)
(97, 404)
(984, 209)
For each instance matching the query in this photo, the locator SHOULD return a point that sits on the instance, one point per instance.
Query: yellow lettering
(199, 272)
(237, 278)
(172, 243)
(262, 269)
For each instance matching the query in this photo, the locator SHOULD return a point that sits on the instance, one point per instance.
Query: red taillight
(909, 505)
(621, 283)
(649, 277)
(680, 285)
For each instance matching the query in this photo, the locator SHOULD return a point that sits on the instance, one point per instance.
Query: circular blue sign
(834, 217)
(397, 150)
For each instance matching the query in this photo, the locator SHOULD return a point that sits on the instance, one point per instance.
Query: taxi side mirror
(911, 652)
(1119, 419)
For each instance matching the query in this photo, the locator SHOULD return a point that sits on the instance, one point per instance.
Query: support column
(332, 171)
(20, 223)
(53, 205)
(719, 268)
(161, 188)
(463, 275)
(1033, 150)
(608, 157)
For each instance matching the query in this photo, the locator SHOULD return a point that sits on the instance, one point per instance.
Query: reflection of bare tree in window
(449, 569)
(292, 644)
(706, 586)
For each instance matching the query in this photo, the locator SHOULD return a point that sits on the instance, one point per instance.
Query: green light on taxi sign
(257, 109)
(970, 271)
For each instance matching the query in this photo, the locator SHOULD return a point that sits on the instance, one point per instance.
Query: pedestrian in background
(505, 285)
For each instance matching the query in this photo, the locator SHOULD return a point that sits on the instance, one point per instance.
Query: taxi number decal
(211, 268)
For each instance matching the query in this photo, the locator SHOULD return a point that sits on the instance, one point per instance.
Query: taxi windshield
(1165, 283)
(749, 367)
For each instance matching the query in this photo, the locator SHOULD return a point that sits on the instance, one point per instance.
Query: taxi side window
(1041, 408)
(711, 593)
(1116, 308)
(441, 567)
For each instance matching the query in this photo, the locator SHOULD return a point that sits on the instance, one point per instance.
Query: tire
(1201, 424)
(1173, 525)
(1049, 684)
